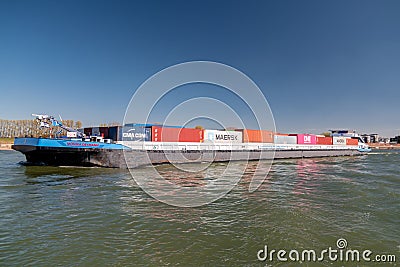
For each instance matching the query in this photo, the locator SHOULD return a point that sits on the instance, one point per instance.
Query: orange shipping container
(164, 134)
(324, 140)
(351, 142)
(257, 136)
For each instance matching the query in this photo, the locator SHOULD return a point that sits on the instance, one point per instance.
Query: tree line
(30, 128)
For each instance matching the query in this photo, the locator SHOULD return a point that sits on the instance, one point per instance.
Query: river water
(100, 217)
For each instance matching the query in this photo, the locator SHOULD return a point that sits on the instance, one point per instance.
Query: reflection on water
(92, 216)
(52, 176)
(308, 174)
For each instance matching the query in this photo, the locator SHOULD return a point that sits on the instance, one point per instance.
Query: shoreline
(6, 146)
(374, 146)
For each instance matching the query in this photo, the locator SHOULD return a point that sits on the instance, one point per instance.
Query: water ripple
(93, 216)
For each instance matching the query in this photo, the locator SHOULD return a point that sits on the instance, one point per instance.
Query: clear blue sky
(321, 64)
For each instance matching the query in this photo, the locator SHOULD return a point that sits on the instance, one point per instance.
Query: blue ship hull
(65, 152)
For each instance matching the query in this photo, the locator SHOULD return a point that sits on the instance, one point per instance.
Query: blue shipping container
(115, 133)
(136, 133)
(145, 125)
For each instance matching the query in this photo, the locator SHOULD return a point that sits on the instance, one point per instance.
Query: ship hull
(128, 158)
(139, 158)
(71, 157)
(64, 152)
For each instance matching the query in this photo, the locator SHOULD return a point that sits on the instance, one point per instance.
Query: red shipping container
(104, 132)
(351, 142)
(163, 134)
(306, 139)
(324, 140)
(257, 136)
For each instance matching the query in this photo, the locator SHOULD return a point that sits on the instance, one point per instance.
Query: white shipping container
(284, 139)
(339, 140)
(223, 136)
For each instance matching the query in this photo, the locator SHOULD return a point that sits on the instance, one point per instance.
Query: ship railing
(173, 146)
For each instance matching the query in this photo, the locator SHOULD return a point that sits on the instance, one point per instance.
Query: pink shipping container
(306, 139)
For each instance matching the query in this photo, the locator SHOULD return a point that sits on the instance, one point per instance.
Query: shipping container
(136, 134)
(104, 132)
(322, 140)
(285, 139)
(267, 136)
(339, 140)
(223, 136)
(161, 134)
(352, 142)
(148, 125)
(115, 133)
(256, 136)
(305, 139)
(96, 131)
(87, 131)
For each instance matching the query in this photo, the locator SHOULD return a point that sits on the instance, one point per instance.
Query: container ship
(135, 145)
